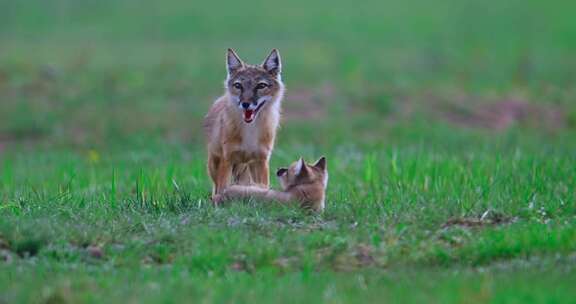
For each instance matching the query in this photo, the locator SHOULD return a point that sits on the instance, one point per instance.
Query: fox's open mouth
(250, 115)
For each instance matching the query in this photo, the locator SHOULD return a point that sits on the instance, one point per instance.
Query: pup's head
(253, 87)
(300, 173)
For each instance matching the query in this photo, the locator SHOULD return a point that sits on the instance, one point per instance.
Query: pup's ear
(281, 172)
(301, 169)
(233, 62)
(272, 64)
(321, 163)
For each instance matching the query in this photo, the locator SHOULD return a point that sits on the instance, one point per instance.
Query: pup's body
(301, 183)
(241, 125)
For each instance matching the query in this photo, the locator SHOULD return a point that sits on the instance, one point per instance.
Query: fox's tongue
(248, 115)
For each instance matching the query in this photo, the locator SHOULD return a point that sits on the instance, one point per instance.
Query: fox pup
(241, 125)
(301, 183)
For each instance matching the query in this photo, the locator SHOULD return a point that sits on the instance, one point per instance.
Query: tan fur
(302, 183)
(239, 151)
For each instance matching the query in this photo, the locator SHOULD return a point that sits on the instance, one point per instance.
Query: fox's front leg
(260, 172)
(213, 165)
(222, 175)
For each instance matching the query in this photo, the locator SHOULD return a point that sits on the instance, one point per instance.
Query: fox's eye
(261, 85)
(237, 85)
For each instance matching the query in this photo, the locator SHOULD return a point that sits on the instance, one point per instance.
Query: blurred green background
(101, 73)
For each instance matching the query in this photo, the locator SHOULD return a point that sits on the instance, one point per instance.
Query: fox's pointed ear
(301, 169)
(233, 62)
(321, 163)
(272, 64)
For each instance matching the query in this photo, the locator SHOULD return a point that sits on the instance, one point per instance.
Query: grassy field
(449, 128)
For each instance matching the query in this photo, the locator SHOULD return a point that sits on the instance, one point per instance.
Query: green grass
(440, 189)
(150, 219)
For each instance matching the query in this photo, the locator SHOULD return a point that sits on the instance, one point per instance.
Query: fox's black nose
(245, 105)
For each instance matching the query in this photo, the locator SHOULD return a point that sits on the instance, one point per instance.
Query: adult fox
(241, 125)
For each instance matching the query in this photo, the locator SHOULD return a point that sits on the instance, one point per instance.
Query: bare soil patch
(501, 114)
(307, 103)
(488, 218)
